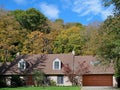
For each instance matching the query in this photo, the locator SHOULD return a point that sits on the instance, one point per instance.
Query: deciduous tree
(109, 45)
(68, 40)
(11, 37)
(115, 3)
(31, 19)
(75, 75)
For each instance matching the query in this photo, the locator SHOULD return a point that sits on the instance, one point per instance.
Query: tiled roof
(94, 66)
(45, 63)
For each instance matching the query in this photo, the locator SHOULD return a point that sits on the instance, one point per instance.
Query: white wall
(66, 81)
(114, 82)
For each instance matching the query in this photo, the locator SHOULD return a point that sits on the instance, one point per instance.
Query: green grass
(41, 88)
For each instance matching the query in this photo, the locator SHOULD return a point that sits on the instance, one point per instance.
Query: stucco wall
(66, 81)
(114, 82)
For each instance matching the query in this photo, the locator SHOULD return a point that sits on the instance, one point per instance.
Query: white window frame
(22, 62)
(57, 60)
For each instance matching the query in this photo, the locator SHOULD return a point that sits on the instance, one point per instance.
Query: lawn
(41, 88)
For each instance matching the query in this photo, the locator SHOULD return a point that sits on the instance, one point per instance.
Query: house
(52, 65)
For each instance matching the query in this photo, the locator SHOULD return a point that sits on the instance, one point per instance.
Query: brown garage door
(97, 80)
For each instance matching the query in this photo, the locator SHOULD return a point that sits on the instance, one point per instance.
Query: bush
(118, 81)
(52, 83)
(2, 81)
(16, 81)
(39, 78)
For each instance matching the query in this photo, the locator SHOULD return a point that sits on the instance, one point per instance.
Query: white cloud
(66, 3)
(107, 12)
(51, 11)
(91, 7)
(20, 2)
(25, 2)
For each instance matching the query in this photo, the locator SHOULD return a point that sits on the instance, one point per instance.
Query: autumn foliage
(74, 74)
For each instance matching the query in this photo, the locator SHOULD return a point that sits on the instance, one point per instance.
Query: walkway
(99, 88)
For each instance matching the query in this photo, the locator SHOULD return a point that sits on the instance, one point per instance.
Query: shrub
(39, 78)
(2, 81)
(52, 83)
(16, 81)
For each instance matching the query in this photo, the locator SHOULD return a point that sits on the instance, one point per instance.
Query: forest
(31, 32)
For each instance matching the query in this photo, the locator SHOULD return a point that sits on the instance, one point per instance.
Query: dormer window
(57, 64)
(94, 63)
(22, 65)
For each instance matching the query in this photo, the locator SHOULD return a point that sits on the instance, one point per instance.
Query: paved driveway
(98, 88)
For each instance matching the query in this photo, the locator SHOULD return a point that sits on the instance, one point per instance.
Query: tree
(3, 11)
(69, 25)
(91, 36)
(11, 37)
(116, 4)
(33, 43)
(31, 19)
(58, 24)
(75, 75)
(39, 78)
(109, 43)
(110, 48)
(36, 43)
(68, 40)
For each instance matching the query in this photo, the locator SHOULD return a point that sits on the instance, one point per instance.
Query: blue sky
(83, 11)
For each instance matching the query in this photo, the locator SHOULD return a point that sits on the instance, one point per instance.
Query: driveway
(98, 88)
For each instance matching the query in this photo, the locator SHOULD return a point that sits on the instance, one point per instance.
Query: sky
(82, 11)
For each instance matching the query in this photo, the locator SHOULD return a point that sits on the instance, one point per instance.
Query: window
(59, 79)
(22, 65)
(57, 64)
(94, 63)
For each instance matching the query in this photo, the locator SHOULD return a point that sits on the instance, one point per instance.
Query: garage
(98, 80)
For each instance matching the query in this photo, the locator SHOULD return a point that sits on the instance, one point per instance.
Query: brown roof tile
(45, 63)
(94, 66)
